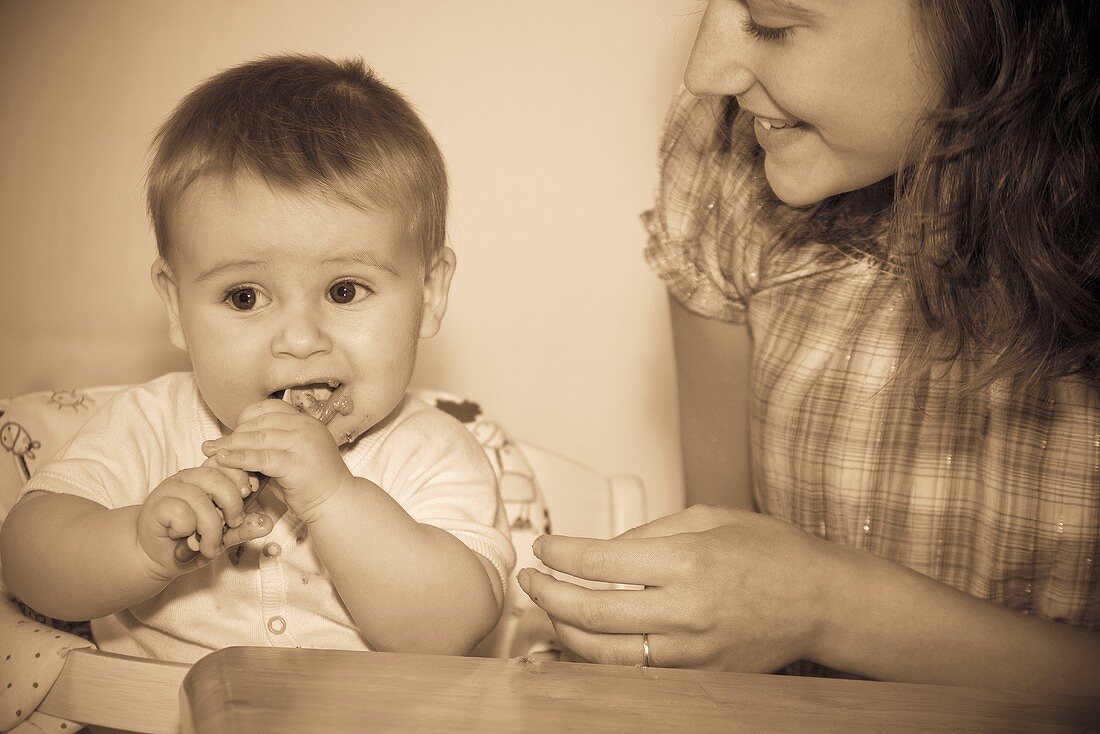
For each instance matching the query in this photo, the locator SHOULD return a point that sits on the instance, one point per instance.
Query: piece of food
(320, 401)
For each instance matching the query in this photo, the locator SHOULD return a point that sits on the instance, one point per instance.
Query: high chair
(52, 679)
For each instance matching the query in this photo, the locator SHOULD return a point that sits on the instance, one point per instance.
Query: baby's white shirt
(277, 593)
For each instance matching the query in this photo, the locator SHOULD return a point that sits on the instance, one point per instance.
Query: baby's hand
(292, 448)
(203, 500)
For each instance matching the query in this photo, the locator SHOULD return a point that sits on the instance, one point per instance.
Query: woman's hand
(724, 589)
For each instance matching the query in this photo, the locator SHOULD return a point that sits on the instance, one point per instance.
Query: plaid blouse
(998, 496)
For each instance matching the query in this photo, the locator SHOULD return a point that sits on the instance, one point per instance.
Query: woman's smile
(775, 134)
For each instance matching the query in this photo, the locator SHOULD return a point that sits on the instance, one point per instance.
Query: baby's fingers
(223, 491)
(175, 518)
(273, 463)
(265, 407)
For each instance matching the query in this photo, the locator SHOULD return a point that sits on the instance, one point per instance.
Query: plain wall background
(548, 114)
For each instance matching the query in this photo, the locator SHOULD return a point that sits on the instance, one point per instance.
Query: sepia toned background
(548, 114)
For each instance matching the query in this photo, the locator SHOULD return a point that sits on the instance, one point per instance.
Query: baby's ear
(437, 286)
(165, 283)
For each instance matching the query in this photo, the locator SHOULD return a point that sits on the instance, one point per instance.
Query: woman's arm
(713, 365)
(740, 591)
(883, 620)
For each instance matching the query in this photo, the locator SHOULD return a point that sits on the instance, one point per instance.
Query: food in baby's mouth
(320, 401)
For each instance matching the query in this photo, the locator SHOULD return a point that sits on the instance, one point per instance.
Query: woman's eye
(346, 291)
(764, 32)
(242, 299)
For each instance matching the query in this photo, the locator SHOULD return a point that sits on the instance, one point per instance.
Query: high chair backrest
(543, 492)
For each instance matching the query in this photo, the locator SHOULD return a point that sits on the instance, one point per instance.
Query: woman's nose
(301, 335)
(719, 61)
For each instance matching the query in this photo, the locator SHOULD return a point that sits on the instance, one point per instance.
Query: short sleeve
(703, 241)
(105, 461)
(439, 474)
(139, 436)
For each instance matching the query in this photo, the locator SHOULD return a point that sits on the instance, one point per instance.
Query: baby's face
(269, 290)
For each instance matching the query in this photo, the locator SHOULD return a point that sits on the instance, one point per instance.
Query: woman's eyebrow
(791, 9)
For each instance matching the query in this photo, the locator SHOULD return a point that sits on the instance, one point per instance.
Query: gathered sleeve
(703, 240)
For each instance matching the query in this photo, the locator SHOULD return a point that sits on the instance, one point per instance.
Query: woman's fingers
(608, 649)
(642, 562)
(624, 649)
(614, 611)
(695, 519)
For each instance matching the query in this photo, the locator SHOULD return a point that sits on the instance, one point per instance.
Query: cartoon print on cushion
(69, 399)
(516, 480)
(17, 442)
(464, 412)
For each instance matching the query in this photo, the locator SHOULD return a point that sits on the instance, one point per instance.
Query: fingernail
(522, 578)
(207, 447)
(537, 545)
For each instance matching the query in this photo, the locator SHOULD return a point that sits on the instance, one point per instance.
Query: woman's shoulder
(706, 238)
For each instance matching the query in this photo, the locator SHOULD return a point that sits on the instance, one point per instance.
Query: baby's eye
(243, 299)
(346, 291)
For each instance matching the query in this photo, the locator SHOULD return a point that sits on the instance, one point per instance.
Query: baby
(299, 206)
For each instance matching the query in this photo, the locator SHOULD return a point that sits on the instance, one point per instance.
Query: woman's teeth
(769, 124)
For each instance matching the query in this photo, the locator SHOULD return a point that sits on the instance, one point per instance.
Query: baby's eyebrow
(227, 267)
(367, 259)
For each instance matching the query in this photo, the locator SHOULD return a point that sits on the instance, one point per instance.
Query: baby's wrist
(152, 559)
(334, 502)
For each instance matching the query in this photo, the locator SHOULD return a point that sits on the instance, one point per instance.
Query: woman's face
(836, 86)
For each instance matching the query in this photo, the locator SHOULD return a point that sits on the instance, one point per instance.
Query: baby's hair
(996, 224)
(306, 124)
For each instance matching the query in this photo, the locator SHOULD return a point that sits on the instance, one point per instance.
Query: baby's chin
(346, 430)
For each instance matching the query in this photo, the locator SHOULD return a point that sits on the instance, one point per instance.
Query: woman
(878, 222)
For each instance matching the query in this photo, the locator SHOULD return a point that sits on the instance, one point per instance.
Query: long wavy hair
(996, 222)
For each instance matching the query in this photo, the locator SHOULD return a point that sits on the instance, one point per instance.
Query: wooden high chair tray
(240, 690)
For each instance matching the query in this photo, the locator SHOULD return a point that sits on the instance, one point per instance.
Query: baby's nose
(301, 335)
